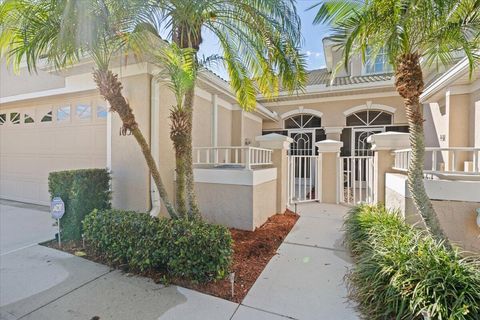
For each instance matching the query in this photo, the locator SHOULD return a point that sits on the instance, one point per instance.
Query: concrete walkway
(304, 281)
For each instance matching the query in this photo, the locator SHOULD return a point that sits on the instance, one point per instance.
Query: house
(307, 146)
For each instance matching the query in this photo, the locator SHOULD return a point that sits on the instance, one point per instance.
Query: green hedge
(82, 191)
(402, 273)
(191, 249)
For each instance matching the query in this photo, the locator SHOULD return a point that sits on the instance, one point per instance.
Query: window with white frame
(377, 64)
(84, 111)
(101, 112)
(63, 113)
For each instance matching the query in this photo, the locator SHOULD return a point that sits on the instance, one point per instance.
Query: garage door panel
(19, 165)
(29, 152)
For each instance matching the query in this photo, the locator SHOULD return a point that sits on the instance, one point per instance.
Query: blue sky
(311, 44)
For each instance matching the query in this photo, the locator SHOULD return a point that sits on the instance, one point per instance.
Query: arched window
(303, 121)
(369, 118)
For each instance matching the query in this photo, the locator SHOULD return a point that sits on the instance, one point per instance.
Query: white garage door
(38, 140)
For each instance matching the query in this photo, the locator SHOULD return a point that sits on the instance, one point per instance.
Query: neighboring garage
(49, 134)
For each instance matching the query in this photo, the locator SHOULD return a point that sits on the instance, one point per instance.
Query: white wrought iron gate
(302, 178)
(358, 179)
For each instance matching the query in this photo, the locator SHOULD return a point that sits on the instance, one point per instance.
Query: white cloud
(315, 54)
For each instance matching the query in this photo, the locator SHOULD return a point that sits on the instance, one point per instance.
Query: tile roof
(322, 77)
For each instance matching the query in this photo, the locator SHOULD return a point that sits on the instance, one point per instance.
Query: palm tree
(179, 69)
(260, 42)
(413, 34)
(63, 31)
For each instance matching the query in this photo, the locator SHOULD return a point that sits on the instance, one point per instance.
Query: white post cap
(274, 141)
(329, 146)
(389, 140)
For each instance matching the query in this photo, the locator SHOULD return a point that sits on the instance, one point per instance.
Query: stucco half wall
(455, 208)
(237, 198)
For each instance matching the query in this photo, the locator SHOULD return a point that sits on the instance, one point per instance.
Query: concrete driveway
(304, 281)
(40, 283)
(23, 225)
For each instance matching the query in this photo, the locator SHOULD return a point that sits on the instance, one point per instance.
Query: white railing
(247, 157)
(455, 160)
(358, 181)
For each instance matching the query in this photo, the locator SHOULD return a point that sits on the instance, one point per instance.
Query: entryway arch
(305, 128)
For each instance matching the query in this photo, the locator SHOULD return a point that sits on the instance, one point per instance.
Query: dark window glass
(357, 119)
(293, 122)
(346, 138)
(303, 121)
(47, 117)
(282, 132)
(398, 129)
(320, 135)
(369, 118)
(312, 122)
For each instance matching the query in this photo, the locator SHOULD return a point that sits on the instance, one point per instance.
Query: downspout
(154, 142)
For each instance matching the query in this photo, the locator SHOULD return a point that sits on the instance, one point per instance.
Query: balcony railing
(247, 157)
(453, 161)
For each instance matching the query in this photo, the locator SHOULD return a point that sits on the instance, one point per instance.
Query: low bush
(82, 191)
(401, 272)
(191, 249)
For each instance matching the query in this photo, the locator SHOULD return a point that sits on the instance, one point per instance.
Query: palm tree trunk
(179, 135)
(409, 84)
(190, 181)
(111, 89)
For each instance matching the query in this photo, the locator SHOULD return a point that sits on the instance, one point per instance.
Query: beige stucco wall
(224, 135)
(328, 164)
(333, 110)
(12, 83)
(130, 174)
(475, 119)
(243, 207)
(251, 129)
(457, 217)
(451, 121)
(202, 122)
(237, 127)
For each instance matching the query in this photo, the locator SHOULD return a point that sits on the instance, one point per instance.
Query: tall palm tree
(413, 34)
(64, 31)
(260, 42)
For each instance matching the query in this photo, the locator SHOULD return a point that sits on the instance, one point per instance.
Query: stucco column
(383, 144)
(280, 145)
(333, 133)
(329, 171)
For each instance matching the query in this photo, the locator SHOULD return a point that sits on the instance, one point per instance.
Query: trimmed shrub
(82, 191)
(403, 273)
(191, 249)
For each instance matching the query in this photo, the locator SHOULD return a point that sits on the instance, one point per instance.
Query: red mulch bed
(252, 251)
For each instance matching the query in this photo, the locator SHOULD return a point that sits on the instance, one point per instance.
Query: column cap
(389, 140)
(274, 141)
(329, 145)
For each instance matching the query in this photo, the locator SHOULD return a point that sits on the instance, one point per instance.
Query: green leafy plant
(82, 191)
(401, 272)
(192, 248)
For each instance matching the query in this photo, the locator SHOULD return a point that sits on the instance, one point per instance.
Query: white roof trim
(448, 77)
(301, 110)
(369, 106)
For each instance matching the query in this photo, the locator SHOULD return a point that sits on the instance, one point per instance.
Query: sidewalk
(304, 281)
